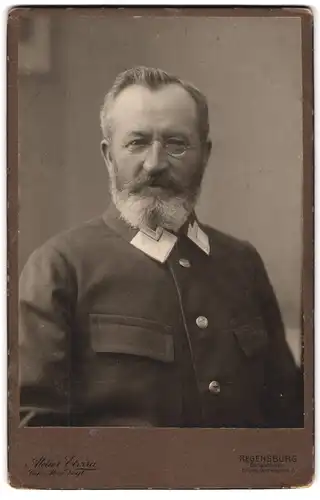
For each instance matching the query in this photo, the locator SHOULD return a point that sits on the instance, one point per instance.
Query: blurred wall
(250, 70)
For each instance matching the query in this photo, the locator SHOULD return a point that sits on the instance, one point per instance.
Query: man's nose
(156, 159)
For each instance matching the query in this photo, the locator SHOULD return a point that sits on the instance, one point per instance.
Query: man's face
(149, 185)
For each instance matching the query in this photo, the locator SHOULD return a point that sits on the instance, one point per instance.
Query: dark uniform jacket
(109, 336)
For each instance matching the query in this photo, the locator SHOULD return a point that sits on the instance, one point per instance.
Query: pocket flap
(252, 339)
(124, 338)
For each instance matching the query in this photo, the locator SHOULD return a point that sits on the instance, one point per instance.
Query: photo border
(181, 458)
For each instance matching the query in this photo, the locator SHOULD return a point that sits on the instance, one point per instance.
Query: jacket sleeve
(282, 397)
(46, 300)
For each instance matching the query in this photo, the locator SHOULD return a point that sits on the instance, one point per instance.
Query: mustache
(161, 179)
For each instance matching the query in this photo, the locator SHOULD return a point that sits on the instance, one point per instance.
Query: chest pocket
(252, 339)
(134, 336)
(130, 373)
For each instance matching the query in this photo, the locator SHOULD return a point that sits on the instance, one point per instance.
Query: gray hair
(153, 79)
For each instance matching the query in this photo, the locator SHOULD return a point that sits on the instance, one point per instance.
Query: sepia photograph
(161, 220)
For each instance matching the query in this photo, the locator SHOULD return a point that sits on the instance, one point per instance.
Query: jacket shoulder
(224, 242)
(73, 242)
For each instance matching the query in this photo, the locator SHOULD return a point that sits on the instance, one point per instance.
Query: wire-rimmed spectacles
(173, 146)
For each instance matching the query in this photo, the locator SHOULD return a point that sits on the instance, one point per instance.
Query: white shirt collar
(159, 244)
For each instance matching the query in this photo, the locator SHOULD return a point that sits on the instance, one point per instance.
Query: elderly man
(144, 316)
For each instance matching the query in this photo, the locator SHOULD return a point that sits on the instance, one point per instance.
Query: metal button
(184, 263)
(202, 322)
(214, 387)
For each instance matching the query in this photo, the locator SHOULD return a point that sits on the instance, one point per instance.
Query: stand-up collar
(156, 244)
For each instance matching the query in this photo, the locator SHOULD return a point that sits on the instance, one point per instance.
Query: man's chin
(151, 207)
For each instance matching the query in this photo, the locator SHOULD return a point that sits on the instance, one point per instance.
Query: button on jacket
(112, 336)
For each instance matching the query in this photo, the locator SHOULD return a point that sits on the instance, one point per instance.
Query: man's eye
(136, 143)
(176, 146)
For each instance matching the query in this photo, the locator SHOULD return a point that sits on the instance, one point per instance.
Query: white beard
(151, 211)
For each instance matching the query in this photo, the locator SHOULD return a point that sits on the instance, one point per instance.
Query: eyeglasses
(173, 146)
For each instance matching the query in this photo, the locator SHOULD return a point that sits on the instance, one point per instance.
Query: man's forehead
(167, 100)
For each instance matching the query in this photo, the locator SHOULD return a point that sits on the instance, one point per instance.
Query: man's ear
(106, 153)
(207, 151)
